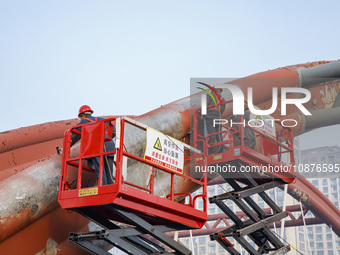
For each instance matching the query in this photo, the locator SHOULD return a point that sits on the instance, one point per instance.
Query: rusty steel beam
(315, 201)
(291, 222)
(206, 231)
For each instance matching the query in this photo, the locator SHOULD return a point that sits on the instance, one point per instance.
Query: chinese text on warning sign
(164, 150)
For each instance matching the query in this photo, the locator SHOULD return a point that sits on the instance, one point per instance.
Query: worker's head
(246, 108)
(218, 90)
(84, 111)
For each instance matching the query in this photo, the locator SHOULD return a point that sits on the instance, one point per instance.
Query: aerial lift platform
(134, 216)
(149, 214)
(246, 174)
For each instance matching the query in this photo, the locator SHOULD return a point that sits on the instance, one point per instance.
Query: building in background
(322, 240)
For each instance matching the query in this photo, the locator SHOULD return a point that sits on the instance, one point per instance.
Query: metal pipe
(29, 195)
(322, 118)
(319, 74)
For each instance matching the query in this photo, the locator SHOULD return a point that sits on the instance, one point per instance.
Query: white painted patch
(51, 248)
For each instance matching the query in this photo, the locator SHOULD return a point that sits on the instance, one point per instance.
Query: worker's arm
(74, 139)
(222, 105)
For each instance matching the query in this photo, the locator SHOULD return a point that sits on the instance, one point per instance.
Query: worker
(85, 115)
(214, 111)
(249, 134)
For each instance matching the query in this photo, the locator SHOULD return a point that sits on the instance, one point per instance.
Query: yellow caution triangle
(158, 145)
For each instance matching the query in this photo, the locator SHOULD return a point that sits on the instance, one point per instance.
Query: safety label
(88, 192)
(164, 150)
(264, 124)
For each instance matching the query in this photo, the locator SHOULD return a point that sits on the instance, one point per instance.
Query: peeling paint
(50, 249)
(305, 199)
(28, 195)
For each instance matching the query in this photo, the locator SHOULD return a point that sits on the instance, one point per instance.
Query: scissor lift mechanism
(131, 240)
(270, 152)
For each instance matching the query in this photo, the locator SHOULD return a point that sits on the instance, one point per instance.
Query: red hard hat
(84, 108)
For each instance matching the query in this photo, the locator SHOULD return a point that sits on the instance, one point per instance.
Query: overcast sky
(129, 57)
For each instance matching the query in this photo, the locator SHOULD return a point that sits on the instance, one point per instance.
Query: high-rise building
(324, 173)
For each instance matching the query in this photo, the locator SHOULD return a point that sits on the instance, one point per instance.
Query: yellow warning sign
(264, 124)
(164, 150)
(158, 145)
